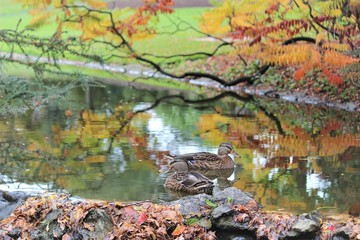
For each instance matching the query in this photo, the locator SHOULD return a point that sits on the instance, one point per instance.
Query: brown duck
(204, 160)
(189, 182)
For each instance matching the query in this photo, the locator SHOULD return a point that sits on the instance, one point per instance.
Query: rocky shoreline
(229, 211)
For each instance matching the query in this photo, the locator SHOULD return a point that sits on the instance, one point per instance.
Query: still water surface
(108, 143)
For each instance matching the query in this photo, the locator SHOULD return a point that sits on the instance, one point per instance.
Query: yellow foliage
(91, 116)
(337, 59)
(41, 17)
(336, 46)
(300, 54)
(212, 22)
(331, 8)
(35, 3)
(320, 38)
(96, 159)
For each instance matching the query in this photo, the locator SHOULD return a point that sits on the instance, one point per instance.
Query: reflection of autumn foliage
(276, 166)
(86, 144)
(244, 132)
(307, 145)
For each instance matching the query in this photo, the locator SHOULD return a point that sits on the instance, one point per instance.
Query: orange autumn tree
(301, 34)
(267, 30)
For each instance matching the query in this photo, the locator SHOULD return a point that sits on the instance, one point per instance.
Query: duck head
(226, 149)
(178, 165)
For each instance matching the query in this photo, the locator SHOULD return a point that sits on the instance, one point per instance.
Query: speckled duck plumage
(205, 160)
(189, 182)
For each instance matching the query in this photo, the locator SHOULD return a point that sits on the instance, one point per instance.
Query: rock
(235, 196)
(191, 205)
(205, 222)
(195, 204)
(221, 211)
(342, 233)
(101, 223)
(228, 235)
(97, 224)
(49, 228)
(222, 215)
(306, 224)
(227, 223)
(14, 233)
(9, 201)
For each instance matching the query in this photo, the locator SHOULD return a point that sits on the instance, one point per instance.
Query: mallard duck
(205, 160)
(189, 182)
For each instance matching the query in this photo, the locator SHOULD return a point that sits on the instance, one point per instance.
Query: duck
(189, 182)
(205, 160)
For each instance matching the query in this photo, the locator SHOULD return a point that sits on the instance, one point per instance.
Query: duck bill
(236, 154)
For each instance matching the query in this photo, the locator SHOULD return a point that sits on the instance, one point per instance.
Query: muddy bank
(201, 216)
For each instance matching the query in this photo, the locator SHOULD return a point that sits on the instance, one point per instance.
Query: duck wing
(199, 156)
(200, 160)
(194, 178)
(197, 183)
(190, 182)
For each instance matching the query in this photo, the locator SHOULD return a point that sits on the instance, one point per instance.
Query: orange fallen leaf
(178, 230)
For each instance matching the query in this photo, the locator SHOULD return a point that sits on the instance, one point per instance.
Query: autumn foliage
(92, 18)
(306, 36)
(269, 31)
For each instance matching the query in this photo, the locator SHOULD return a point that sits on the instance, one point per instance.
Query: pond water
(108, 143)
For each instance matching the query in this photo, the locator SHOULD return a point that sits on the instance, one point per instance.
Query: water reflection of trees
(281, 146)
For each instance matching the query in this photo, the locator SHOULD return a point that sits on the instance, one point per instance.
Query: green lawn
(170, 42)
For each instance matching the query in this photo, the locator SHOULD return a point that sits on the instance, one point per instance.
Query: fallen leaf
(169, 214)
(252, 205)
(241, 208)
(130, 211)
(142, 218)
(242, 217)
(192, 221)
(331, 227)
(66, 237)
(89, 226)
(210, 203)
(178, 230)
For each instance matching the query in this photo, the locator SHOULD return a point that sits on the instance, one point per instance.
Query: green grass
(185, 41)
(94, 74)
(163, 44)
(172, 42)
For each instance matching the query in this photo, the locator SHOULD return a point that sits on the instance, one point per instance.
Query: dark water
(108, 143)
